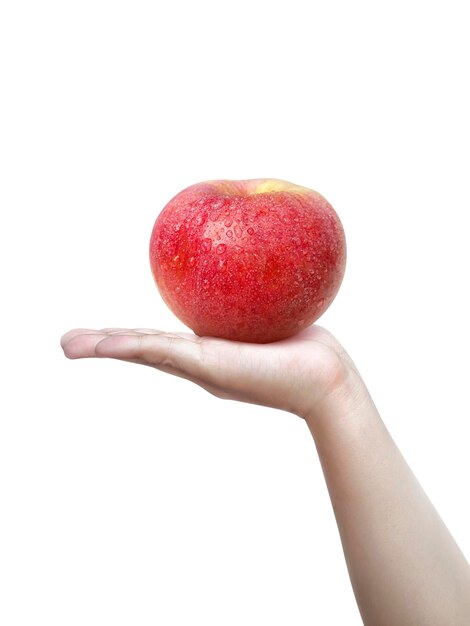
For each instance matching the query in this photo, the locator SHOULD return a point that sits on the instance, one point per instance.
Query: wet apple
(254, 260)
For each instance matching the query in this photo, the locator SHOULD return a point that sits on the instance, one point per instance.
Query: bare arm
(404, 565)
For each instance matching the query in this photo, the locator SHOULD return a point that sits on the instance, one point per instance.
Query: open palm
(293, 374)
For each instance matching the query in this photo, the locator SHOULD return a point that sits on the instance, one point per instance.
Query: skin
(405, 568)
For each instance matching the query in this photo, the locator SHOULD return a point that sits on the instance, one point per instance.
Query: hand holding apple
(253, 261)
(276, 271)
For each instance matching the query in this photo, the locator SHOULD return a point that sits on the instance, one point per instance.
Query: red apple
(252, 260)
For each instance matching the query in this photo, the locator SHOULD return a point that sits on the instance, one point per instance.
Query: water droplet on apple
(238, 231)
(252, 241)
(206, 244)
(238, 249)
(228, 223)
(229, 234)
(221, 248)
(321, 302)
(176, 227)
(191, 261)
(250, 231)
(199, 219)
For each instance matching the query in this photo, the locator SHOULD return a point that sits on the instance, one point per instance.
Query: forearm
(405, 567)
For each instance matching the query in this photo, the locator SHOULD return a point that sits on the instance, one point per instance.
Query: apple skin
(254, 260)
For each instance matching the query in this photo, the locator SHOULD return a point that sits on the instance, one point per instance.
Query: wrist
(344, 394)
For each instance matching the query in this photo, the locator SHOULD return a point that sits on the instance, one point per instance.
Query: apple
(252, 260)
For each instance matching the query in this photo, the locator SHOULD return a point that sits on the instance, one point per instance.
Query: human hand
(294, 375)
(389, 529)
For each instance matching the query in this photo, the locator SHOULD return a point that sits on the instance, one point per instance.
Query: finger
(158, 349)
(81, 342)
(71, 334)
(82, 345)
(225, 369)
(182, 354)
(114, 330)
(78, 332)
(145, 331)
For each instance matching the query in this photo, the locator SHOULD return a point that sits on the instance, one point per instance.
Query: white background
(129, 497)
